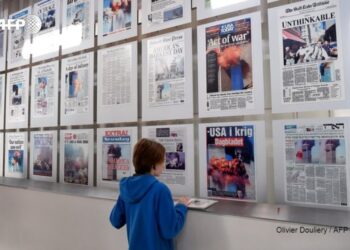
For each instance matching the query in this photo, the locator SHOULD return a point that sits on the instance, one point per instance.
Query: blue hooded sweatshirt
(146, 206)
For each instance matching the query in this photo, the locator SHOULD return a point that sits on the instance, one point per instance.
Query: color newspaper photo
(42, 152)
(15, 158)
(76, 165)
(116, 16)
(229, 56)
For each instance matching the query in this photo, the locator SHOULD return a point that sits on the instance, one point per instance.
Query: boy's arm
(170, 219)
(117, 216)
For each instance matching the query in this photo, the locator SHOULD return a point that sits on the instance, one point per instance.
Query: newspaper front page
(163, 11)
(78, 13)
(17, 39)
(17, 88)
(76, 96)
(46, 10)
(15, 155)
(229, 66)
(116, 154)
(166, 70)
(42, 154)
(76, 157)
(44, 81)
(231, 172)
(174, 141)
(116, 76)
(316, 164)
(310, 53)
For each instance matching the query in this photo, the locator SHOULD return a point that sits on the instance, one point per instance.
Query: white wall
(32, 220)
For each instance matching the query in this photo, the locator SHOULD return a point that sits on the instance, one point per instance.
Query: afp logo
(31, 24)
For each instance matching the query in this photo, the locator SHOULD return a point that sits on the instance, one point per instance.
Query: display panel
(43, 156)
(77, 156)
(163, 14)
(178, 174)
(311, 160)
(16, 155)
(308, 50)
(18, 53)
(114, 155)
(78, 25)
(210, 8)
(167, 86)
(17, 99)
(232, 160)
(117, 20)
(230, 82)
(44, 95)
(2, 100)
(77, 90)
(45, 44)
(117, 84)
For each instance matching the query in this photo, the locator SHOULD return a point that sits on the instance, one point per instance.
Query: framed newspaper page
(230, 81)
(45, 43)
(3, 42)
(77, 89)
(114, 155)
(78, 25)
(210, 8)
(167, 81)
(117, 84)
(117, 20)
(16, 155)
(178, 174)
(77, 156)
(3, 46)
(308, 51)
(1, 152)
(44, 95)
(311, 162)
(2, 101)
(43, 156)
(17, 99)
(18, 52)
(164, 14)
(232, 160)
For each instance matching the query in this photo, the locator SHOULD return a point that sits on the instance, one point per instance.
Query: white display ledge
(282, 213)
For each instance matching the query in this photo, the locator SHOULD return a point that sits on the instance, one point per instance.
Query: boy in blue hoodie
(145, 205)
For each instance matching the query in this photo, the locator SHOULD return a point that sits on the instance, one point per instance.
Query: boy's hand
(184, 200)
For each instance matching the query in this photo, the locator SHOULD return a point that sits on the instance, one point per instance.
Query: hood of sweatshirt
(134, 188)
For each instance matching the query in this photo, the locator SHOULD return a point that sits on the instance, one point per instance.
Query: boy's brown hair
(147, 154)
